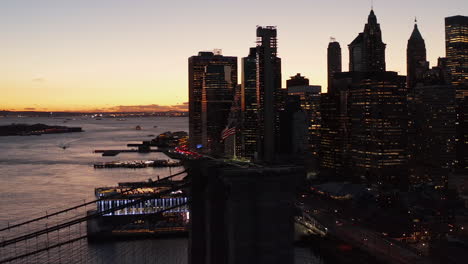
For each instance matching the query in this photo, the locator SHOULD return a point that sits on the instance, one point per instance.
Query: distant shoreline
(93, 114)
(35, 130)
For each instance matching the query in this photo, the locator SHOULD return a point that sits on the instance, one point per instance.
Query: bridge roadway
(361, 237)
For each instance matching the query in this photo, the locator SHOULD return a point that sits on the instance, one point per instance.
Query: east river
(38, 175)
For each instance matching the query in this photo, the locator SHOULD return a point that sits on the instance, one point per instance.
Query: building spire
(372, 19)
(416, 35)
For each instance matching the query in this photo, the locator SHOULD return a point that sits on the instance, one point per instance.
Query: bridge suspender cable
(84, 204)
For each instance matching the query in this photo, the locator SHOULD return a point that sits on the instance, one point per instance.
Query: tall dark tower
(269, 92)
(200, 78)
(456, 48)
(367, 51)
(333, 60)
(249, 103)
(416, 63)
(219, 82)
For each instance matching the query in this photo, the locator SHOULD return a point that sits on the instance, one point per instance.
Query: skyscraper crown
(416, 35)
(372, 19)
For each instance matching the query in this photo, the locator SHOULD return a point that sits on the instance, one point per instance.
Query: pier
(136, 164)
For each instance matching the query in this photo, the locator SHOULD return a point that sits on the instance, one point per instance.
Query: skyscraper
(333, 60)
(334, 132)
(249, 104)
(365, 117)
(456, 48)
(434, 124)
(416, 63)
(374, 119)
(462, 130)
(217, 98)
(198, 72)
(269, 93)
(309, 100)
(367, 51)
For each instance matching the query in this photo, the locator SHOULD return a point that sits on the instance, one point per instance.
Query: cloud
(38, 80)
(145, 108)
(30, 109)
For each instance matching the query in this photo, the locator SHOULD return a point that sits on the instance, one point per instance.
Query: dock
(136, 164)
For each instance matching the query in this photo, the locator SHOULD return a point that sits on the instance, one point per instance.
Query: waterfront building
(416, 63)
(456, 48)
(197, 68)
(367, 51)
(139, 218)
(333, 60)
(217, 97)
(269, 93)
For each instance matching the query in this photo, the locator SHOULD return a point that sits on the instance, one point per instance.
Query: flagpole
(235, 156)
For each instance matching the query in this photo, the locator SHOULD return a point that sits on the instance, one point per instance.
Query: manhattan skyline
(122, 56)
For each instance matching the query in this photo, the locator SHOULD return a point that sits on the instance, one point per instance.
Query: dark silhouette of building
(456, 48)
(416, 63)
(334, 134)
(242, 215)
(233, 135)
(309, 100)
(249, 104)
(462, 130)
(269, 93)
(375, 119)
(333, 60)
(365, 118)
(294, 130)
(217, 98)
(434, 123)
(201, 77)
(367, 51)
(297, 80)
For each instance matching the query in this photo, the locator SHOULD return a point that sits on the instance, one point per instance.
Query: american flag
(228, 132)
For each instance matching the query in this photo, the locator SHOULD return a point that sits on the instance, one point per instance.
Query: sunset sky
(122, 54)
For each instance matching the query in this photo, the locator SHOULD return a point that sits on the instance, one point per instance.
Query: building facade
(376, 127)
(297, 80)
(434, 121)
(456, 48)
(249, 104)
(416, 63)
(202, 77)
(367, 51)
(269, 93)
(309, 100)
(333, 60)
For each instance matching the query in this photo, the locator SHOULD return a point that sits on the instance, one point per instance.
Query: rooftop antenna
(415, 20)
(372, 5)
